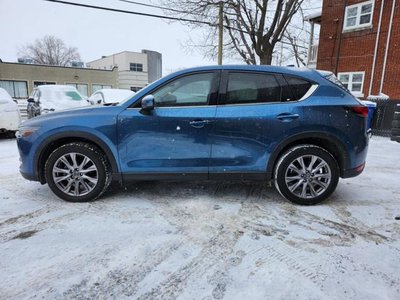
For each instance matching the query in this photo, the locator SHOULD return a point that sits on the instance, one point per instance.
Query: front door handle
(199, 123)
(287, 117)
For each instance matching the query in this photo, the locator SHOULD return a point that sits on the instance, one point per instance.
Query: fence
(383, 116)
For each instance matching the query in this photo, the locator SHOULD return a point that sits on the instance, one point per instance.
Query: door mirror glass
(147, 104)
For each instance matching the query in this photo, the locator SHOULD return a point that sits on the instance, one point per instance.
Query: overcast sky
(96, 33)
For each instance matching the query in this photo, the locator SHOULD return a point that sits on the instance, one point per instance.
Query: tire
(82, 181)
(306, 184)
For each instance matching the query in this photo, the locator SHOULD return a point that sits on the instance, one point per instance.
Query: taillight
(360, 110)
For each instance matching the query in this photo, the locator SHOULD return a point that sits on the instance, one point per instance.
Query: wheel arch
(328, 142)
(57, 140)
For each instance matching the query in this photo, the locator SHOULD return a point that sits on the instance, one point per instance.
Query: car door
(249, 121)
(174, 139)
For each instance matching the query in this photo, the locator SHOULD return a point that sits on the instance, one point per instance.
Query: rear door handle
(286, 117)
(199, 123)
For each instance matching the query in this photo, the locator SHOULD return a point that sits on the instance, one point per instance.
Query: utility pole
(220, 31)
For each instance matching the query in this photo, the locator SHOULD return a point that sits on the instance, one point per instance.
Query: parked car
(49, 98)
(109, 96)
(10, 116)
(299, 128)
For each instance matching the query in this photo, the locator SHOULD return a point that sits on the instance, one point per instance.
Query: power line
(131, 12)
(150, 15)
(189, 13)
(157, 6)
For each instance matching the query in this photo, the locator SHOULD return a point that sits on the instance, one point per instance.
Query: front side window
(252, 88)
(358, 16)
(136, 67)
(353, 81)
(185, 91)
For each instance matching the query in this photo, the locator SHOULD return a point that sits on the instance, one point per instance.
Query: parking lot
(203, 240)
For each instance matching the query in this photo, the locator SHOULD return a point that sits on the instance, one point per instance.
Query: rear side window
(252, 88)
(299, 87)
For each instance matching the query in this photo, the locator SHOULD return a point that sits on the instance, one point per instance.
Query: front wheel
(78, 172)
(306, 174)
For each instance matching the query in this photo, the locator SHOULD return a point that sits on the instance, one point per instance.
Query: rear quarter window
(298, 88)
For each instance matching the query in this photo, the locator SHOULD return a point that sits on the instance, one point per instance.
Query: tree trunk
(266, 57)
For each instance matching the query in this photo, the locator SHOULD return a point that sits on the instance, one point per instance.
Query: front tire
(306, 174)
(78, 172)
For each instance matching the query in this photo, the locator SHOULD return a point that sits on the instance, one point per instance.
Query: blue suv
(299, 128)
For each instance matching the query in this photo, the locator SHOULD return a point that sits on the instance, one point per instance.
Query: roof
(303, 72)
(52, 66)
(115, 54)
(314, 17)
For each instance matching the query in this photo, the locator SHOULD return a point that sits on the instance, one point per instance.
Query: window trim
(358, 26)
(351, 74)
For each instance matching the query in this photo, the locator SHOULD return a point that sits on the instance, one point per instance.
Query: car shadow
(181, 191)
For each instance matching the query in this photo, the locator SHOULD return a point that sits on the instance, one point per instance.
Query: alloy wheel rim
(308, 176)
(75, 174)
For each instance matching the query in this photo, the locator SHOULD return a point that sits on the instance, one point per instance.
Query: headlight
(25, 131)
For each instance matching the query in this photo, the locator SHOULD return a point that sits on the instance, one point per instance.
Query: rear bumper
(353, 172)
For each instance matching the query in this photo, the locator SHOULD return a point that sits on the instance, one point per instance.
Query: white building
(135, 70)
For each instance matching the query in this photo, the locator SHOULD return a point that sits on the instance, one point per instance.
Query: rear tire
(306, 174)
(78, 172)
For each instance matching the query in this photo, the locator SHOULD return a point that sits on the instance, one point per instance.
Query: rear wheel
(78, 172)
(306, 174)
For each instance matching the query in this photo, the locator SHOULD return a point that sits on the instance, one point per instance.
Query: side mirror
(30, 100)
(147, 104)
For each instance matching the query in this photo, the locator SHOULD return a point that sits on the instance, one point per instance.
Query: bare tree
(50, 50)
(253, 27)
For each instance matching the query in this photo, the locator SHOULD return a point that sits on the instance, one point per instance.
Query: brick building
(359, 41)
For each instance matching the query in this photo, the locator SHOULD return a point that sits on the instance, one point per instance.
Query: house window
(358, 16)
(81, 87)
(16, 89)
(96, 87)
(37, 83)
(353, 81)
(136, 67)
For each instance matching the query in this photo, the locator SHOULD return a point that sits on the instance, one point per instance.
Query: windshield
(73, 95)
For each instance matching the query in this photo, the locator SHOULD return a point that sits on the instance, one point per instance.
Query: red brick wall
(356, 48)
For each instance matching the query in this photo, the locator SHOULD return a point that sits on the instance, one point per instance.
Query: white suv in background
(10, 117)
(48, 98)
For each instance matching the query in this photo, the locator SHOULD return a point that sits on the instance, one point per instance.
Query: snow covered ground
(202, 240)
